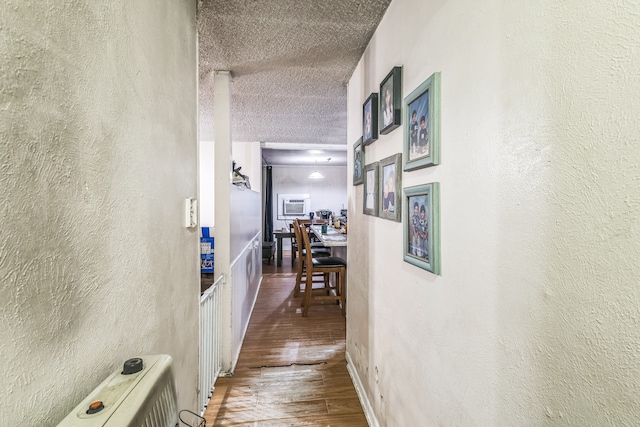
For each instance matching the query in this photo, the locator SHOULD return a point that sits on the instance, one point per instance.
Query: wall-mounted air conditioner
(291, 206)
(294, 207)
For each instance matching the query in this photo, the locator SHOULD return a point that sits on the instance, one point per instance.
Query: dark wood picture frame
(370, 119)
(390, 110)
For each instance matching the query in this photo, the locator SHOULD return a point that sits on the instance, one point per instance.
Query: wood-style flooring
(291, 370)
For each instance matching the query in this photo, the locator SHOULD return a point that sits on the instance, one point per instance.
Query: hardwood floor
(292, 370)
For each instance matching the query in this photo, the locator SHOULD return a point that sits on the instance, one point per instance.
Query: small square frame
(370, 119)
(370, 205)
(419, 251)
(422, 145)
(358, 162)
(390, 182)
(390, 110)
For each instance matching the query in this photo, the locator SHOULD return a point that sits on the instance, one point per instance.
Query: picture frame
(370, 205)
(422, 131)
(370, 119)
(421, 242)
(390, 109)
(390, 182)
(358, 162)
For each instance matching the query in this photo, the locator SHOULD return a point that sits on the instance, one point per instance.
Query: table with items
(281, 234)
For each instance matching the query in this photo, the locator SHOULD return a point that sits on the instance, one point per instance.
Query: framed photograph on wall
(370, 119)
(422, 130)
(358, 162)
(421, 226)
(391, 101)
(371, 189)
(390, 199)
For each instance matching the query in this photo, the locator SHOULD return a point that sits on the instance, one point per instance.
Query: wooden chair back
(298, 240)
(305, 242)
(324, 266)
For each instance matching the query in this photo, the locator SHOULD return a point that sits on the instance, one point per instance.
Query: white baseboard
(364, 400)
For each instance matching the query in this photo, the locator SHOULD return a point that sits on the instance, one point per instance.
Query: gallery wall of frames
(417, 207)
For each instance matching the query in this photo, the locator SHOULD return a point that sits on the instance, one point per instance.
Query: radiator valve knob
(132, 366)
(95, 407)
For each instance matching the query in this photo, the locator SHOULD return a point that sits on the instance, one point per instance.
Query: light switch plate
(191, 212)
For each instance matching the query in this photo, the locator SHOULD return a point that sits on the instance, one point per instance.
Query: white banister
(210, 340)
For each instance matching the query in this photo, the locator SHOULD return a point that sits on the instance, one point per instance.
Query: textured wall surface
(535, 318)
(98, 146)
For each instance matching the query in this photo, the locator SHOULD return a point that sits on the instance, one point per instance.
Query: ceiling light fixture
(315, 174)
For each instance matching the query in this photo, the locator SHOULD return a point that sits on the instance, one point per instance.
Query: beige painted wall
(98, 149)
(535, 318)
(207, 194)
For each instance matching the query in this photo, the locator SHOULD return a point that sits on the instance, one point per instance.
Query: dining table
(281, 234)
(334, 238)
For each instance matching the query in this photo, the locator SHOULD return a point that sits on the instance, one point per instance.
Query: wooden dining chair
(294, 242)
(302, 252)
(326, 266)
(315, 243)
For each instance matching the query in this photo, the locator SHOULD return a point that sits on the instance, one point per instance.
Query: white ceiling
(290, 62)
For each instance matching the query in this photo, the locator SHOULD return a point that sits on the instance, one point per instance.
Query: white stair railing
(210, 340)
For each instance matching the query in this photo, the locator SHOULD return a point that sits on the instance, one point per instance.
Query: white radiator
(142, 394)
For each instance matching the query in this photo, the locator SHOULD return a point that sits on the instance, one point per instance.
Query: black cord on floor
(201, 421)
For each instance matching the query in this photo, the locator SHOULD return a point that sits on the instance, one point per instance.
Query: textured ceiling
(290, 62)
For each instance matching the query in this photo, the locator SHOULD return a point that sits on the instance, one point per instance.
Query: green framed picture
(421, 226)
(422, 130)
(358, 162)
(390, 183)
(370, 206)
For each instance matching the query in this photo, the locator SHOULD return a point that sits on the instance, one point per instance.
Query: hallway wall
(207, 195)
(98, 135)
(534, 319)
